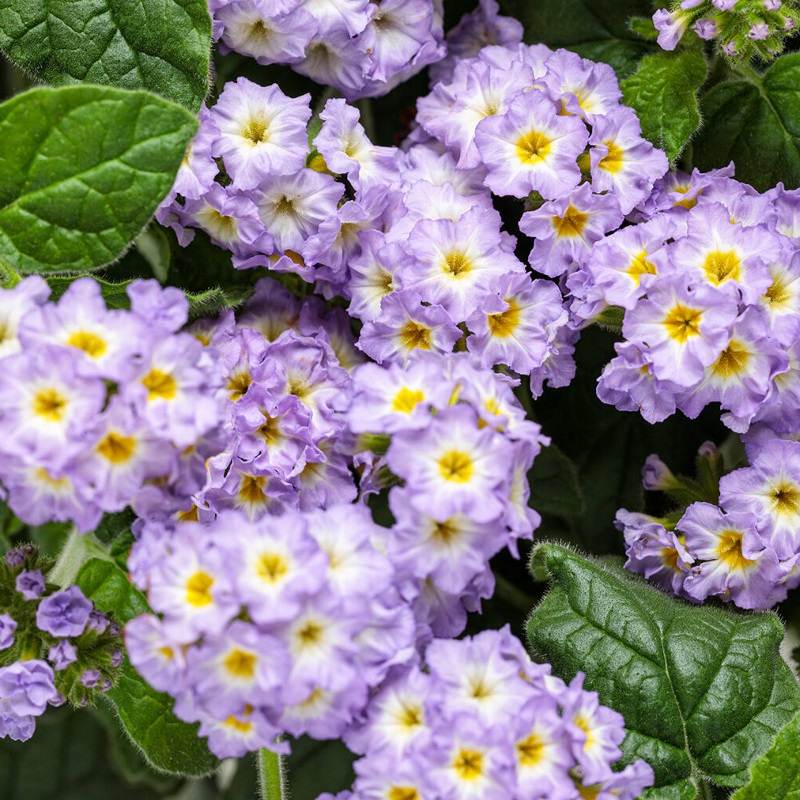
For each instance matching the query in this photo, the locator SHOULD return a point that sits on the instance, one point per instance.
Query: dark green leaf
(108, 587)
(113, 293)
(776, 775)
(315, 767)
(167, 743)
(554, 484)
(82, 169)
(716, 678)
(756, 124)
(159, 45)
(68, 758)
(596, 29)
(663, 93)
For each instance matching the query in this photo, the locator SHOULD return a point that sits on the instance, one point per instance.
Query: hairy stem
(271, 776)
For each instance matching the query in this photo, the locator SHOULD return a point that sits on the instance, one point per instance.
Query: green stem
(271, 775)
(75, 552)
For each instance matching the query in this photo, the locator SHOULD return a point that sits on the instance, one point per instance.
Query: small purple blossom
(7, 627)
(62, 654)
(30, 584)
(64, 613)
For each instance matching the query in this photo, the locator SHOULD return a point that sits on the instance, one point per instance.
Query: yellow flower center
(785, 498)
(241, 663)
(456, 466)
(640, 266)
(160, 385)
(238, 385)
(533, 147)
(572, 223)
(732, 360)
(729, 550)
(457, 265)
(682, 322)
(504, 323)
(271, 567)
(414, 335)
(721, 266)
(117, 448)
(406, 400)
(198, 589)
(255, 132)
(50, 404)
(614, 159)
(91, 344)
(469, 764)
(530, 750)
(403, 793)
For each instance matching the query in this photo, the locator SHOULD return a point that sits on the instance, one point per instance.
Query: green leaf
(663, 93)
(756, 124)
(596, 29)
(720, 686)
(69, 758)
(776, 775)
(113, 293)
(82, 169)
(555, 488)
(146, 715)
(108, 587)
(159, 45)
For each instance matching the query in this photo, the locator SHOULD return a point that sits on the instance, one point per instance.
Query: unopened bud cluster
(54, 645)
(741, 28)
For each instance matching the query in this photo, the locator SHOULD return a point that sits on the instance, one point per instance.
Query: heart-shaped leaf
(159, 45)
(703, 690)
(82, 169)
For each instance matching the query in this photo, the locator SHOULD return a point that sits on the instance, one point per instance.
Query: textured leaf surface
(82, 169)
(159, 45)
(663, 93)
(70, 757)
(596, 29)
(703, 690)
(755, 124)
(167, 743)
(776, 775)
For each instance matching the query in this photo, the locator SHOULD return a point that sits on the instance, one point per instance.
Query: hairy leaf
(167, 743)
(82, 169)
(159, 45)
(69, 758)
(596, 29)
(716, 678)
(756, 124)
(776, 775)
(663, 93)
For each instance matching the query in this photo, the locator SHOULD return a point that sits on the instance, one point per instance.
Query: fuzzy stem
(271, 776)
(77, 549)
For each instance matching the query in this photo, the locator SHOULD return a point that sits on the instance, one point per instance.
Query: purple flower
(90, 678)
(27, 686)
(64, 613)
(7, 627)
(262, 132)
(670, 25)
(30, 584)
(531, 148)
(62, 654)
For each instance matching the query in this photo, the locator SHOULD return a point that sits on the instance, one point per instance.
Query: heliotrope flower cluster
(282, 624)
(54, 645)
(706, 287)
(283, 444)
(743, 548)
(482, 721)
(361, 48)
(100, 406)
(740, 28)
(457, 438)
